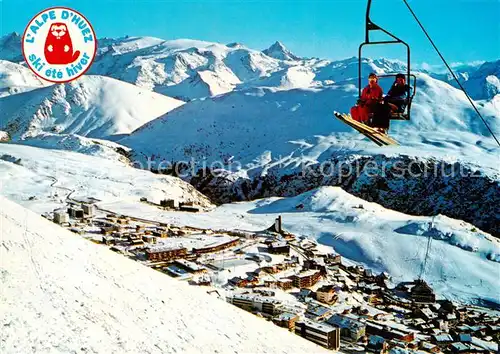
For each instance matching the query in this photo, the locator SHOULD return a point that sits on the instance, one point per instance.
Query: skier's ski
(377, 137)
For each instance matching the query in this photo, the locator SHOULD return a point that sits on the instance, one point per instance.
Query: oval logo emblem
(59, 44)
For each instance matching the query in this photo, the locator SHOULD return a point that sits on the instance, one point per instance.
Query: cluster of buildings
(185, 269)
(165, 247)
(81, 212)
(170, 253)
(407, 316)
(174, 204)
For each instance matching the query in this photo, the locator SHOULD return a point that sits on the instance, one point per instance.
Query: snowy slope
(63, 294)
(15, 78)
(244, 124)
(202, 84)
(41, 179)
(92, 106)
(463, 261)
(76, 143)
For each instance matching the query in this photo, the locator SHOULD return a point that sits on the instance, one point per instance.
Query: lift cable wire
(429, 242)
(451, 71)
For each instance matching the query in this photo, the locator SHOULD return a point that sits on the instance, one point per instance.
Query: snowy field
(63, 294)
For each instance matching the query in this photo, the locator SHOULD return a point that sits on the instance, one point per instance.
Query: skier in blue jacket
(397, 97)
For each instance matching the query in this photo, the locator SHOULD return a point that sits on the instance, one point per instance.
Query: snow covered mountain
(268, 111)
(15, 78)
(279, 51)
(93, 106)
(10, 48)
(62, 294)
(189, 69)
(182, 68)
(484, 83)
(481, 80)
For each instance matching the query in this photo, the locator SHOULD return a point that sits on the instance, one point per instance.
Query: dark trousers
(398, 102)
(381, 116)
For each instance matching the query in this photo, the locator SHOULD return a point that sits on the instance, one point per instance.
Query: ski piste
(377, 137)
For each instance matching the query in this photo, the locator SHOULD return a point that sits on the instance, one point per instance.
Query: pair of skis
(374, 135)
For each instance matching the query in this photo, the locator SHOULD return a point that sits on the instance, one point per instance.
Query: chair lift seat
(399, 116)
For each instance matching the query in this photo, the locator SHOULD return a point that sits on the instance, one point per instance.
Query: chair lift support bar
(370, 26)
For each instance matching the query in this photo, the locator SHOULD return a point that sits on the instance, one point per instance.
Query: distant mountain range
(188, 69)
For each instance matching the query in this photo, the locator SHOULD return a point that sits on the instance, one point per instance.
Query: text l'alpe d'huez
(38, 63)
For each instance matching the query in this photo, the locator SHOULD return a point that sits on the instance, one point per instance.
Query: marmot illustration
(58, 47)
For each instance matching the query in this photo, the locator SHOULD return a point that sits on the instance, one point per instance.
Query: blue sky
(465, 30)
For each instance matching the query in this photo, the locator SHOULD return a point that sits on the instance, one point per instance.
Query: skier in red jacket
(371, 98)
